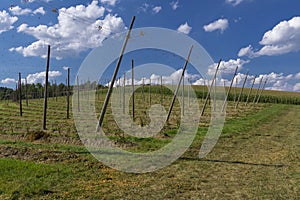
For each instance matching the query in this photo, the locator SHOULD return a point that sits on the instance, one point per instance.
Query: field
(256, 157)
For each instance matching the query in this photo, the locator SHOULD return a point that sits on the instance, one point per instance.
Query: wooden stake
(150, 93)
(262, 89)
(26, 95)
(175, 94)
(20, 94)
(132, 83)
(46, 90)
(78, 93)
(239, 98)
(124, 92)
(114, 76)
(250, 90)
(68, 94)
(260, 82)
(226, 98)
(212, 84)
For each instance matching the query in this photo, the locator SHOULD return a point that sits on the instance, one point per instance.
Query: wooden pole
(132, 84)
(150, 92)
(189, 85)
(46, 90)
(78, 93)
(260, 82)
(175, 94)
(248, 97)
(114, 76)
(241, 92)
(26, 95)
(68, 94)
(161, 90)
(262, 89)
(182, 95)
(212, 84)
(226, 98)
(124, 92)
(235, 92)
(20, 94)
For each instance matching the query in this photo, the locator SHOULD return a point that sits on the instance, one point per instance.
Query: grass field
(256, 157)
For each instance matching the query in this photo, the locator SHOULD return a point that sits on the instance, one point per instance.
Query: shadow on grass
(233, 162)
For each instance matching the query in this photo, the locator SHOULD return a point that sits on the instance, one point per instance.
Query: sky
(262, 37)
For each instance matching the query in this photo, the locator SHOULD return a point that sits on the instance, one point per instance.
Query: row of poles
(113, 79)
(45, 92)
(213, 84)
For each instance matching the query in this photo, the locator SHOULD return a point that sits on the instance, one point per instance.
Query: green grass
(256, 157)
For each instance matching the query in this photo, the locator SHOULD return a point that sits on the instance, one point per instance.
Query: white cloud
(174, 4)
(39, 10)
(296, 87)
(40, 77)
(144, 8)
(156, 9)
(283, 38)
(184, 28)
(65, 68)
(297, 76)
(6, 21)
(220, 24)
(8, 81)
(109, 2)
(76, 31)
(234, 2)
(16, 10)
(227, 67)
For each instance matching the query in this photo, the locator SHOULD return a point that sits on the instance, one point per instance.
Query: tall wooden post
(210, 88)
(262, 89)
(150, 92)
(175, 94)
(250, 91)
(20, 94)
(26, 95)
(46, 90)
(78, 93)
(241, 92)
(114, 76)
(68, 94)
(161, 90)
(132, 84)
(182, 94)
(124, 92)
(232, 80)
(260, 82)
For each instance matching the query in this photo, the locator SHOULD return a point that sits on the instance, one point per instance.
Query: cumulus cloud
(6, 21)
(8, 81)
(174, 4)
(297, 76)
(184, 28)
(227, 67)
(16, 10)
(296, 87)
(283, 38)
(77, 30)
(40, 76)
(220, 24)
(109, 2)
(156, 9)
(39, 10)
(234, 2)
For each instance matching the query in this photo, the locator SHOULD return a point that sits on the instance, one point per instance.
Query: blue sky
(262, 36)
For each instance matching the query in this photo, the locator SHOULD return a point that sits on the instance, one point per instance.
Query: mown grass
(257, 156)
